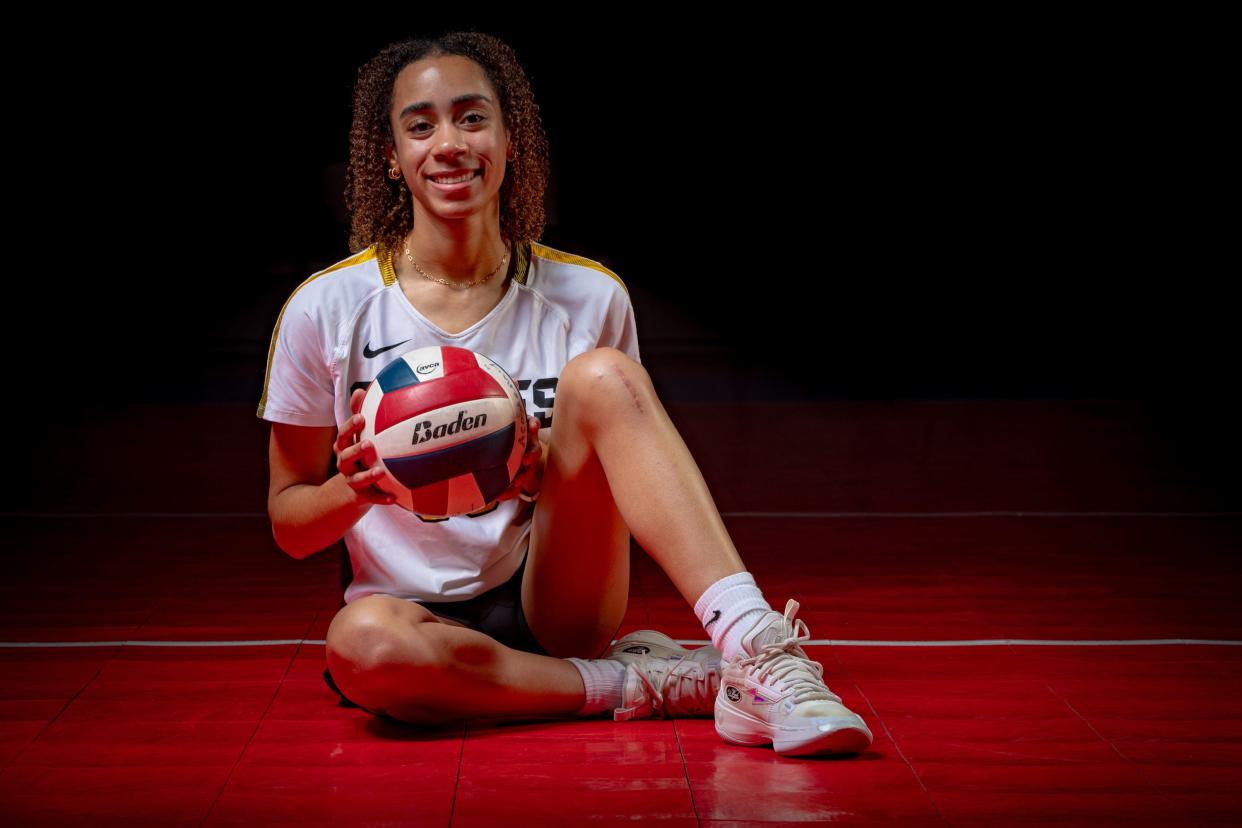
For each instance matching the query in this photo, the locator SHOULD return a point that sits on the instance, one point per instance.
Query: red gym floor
(1033, 604)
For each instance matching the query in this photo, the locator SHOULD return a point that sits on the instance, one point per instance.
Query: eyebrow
(422, 105)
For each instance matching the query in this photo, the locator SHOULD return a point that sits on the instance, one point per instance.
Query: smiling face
(449, 138)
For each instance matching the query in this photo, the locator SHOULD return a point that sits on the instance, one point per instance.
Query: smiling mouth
(457, 179)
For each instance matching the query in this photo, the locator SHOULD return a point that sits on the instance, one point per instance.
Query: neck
(462, 250)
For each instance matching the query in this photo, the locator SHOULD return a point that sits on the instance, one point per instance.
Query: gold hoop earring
(394, 173)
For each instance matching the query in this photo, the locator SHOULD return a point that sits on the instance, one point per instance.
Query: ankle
(602, 681)
(729, 609)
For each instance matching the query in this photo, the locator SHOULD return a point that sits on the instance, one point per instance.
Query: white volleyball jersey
(344, 324)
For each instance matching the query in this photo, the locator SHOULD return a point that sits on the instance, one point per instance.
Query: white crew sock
(604, 680)
(728, 610)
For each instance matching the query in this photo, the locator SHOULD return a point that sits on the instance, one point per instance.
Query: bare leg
(616, 466)
(384, 651)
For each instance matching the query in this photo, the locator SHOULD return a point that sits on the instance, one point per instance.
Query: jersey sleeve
(298, 388)
(619, 330)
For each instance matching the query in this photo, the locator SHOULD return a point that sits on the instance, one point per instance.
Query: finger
(364, 485)
(356, 398)
(523, 470)
(533, 450)
(352, 427)
(524, 476)
(365, 453)
(365, 478)
(357, 457)
(533, 443)
(382, 497)
(519, 480)
(527, 483)
(377, 496)
(346, 457)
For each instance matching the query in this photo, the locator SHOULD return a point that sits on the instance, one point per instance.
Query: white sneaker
(664, 679)
(777, 695)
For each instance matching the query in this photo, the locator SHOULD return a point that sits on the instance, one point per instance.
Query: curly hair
(380, 208)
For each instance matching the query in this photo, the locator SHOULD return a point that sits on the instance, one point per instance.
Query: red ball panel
(473, 384)
(431, 500)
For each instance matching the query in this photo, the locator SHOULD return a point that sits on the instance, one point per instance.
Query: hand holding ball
(449, 429)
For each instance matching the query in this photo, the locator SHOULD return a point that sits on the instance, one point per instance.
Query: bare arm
(310, 511)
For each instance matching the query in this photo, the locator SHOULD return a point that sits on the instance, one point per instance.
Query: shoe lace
(688, 688)
(789, 666)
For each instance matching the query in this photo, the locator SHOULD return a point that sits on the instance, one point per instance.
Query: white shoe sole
(818, 735)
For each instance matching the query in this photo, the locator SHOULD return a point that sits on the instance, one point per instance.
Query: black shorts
(497, 613)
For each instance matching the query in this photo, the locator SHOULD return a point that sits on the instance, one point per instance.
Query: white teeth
(459, 179)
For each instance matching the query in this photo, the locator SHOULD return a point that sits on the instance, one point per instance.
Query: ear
(510, 152)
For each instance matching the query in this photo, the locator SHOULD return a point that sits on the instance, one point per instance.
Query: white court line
(822, 642)
(723, 514)
(978, 514)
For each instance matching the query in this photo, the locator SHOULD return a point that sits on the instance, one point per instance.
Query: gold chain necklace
(452, 284)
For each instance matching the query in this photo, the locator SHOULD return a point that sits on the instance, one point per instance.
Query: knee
(367, 638)
(606, 381)
(361, 630)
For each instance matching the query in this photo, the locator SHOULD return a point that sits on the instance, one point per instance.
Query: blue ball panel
(493, 481)
(434, 466)
(396, 374)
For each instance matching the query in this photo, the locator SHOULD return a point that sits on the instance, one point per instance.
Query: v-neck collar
(518, 272)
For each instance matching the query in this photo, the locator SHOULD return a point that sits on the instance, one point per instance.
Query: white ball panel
(426, 363)
(505, 381)
(398, 440)
(370, 404)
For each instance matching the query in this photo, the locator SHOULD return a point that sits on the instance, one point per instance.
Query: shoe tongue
(770, 630)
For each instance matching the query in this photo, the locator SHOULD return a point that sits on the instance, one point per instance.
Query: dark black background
(876, 208)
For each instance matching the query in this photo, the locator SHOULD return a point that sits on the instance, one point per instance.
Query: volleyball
(449, 429)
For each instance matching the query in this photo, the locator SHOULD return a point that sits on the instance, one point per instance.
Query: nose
(451, 145)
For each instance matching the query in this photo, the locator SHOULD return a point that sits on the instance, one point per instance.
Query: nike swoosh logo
(715, 618)
(369, 354)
